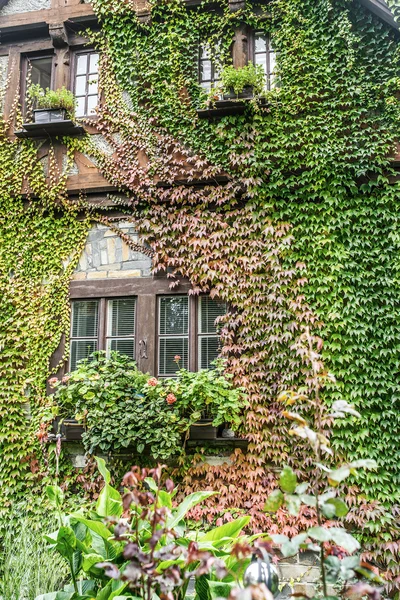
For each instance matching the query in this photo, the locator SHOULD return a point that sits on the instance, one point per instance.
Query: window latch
(143, 349)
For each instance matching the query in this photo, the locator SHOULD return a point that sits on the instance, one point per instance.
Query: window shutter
(209, 311)
(84, 330)
(173, 334)
(121, 326)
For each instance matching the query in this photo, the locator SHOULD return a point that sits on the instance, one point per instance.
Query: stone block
(132, 273)
(109, 267)
(136, 264)
(303, 573)
(96, 258)
(306, 589)
(97, 275)
(111, 249)
(126, 251)
(308, 558)
(78, 276)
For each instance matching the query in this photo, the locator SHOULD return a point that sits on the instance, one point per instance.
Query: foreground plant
(139, 544)
(61, 98)
(339, 564)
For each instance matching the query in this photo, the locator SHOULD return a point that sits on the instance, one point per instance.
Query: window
(264, 55)
(37, 70)
(173, 334)
(208, 338)
(149, 328)
(177, 329)
(86, 83)
(91, 318)
(208, 70)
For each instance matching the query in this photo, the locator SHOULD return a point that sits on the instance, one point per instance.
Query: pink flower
(152, 381)
(171, 399)
(65, 379)
(53, 381)
(177, 358)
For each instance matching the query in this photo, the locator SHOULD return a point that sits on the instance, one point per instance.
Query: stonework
(106, 256)
(20, 6)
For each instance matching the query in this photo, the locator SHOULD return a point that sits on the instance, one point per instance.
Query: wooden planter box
(72, 430)
(203, 430)
(49, 115)
(245, 94)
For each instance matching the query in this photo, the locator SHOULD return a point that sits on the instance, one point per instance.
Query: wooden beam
(49, 15)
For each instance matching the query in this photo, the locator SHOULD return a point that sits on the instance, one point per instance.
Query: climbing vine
(296, 224)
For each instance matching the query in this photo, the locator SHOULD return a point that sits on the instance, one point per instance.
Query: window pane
(205, 70)
(121, 317)
(81, 349)
(174, 316)
(41, 71)
(169, 348)
(210, 310)
(123, 346)
(80, 85)
(92, 84)
(92, 102)
(208, 351)
(81, 64)
(94, 63)
(260, 43)
(85, 318)
(80, 107)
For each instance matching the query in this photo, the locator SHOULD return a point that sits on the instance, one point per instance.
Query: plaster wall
(21, 6)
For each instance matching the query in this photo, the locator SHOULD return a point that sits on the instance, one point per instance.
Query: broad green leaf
(55, 495)
(328, 511)
(339, 505)
(344, 539)
(288, 480)
(56, 596)
(109, 503)
(89, 560)
(320, 534)
(101, 465)
(190, 502)
(274, 501)
(165, 499)
(219, 589)
(365, 463)
(308, 500)
(339, 475)
(291, 547)
(228, 530)
(151, 483)
(293, 504)
(95, 526)
(301, 488)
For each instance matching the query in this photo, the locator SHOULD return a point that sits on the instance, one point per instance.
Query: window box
(203, 430)
(245, 94)
(49, 128)
(72, 430)
(224, 108)
(49, 115)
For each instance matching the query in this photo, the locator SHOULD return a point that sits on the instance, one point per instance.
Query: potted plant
(51, 106)
(244, 82)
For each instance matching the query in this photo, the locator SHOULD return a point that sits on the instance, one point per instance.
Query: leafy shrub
(121, 406)
(61, 98)
(149, 553)
(247, 76)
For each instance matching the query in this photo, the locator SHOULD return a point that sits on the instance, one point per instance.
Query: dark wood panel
(108, 288)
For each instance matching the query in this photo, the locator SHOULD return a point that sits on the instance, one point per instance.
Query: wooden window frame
(25, 58)
(252, 53)
(75, 52)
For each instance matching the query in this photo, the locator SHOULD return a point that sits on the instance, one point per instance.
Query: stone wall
(20, 6)
(107, 256)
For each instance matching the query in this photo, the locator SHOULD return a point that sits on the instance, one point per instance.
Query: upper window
(208, 70)
(264, 55)
(86, 83)
(102, 325)
(37, 70)
(208, 338)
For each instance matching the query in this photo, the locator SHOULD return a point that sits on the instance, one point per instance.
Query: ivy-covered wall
(303, 231)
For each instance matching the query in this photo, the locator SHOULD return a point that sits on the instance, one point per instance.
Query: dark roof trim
(381, 9)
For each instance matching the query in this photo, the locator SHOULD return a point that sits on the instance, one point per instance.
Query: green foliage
(123, 407)
(61, 98)
(240, 78)
(25, 568)
(163, 551)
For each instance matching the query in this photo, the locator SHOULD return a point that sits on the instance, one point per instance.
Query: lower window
(186, 328)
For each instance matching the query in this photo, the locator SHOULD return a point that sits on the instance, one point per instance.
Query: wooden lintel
(49, 15)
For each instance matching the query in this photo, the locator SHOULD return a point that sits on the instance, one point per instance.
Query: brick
(109, 267)
(125, 251)
(78, 276)
(307, 589)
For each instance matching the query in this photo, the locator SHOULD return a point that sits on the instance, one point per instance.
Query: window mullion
(103, 318)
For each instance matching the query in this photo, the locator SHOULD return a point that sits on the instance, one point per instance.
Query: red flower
(177, 358)
(152, 381)
(171, 399)
(65, 379)
(53, 381)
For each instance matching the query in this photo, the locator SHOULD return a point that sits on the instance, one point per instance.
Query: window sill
(51, 129)
(224, 108)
